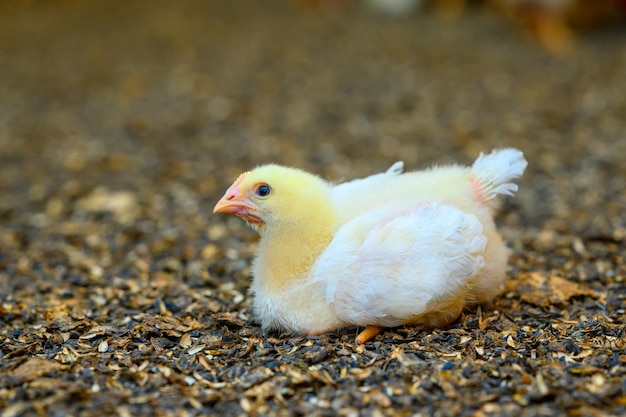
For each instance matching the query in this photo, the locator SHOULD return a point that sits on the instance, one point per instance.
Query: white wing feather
(346, 192)
(386, 267)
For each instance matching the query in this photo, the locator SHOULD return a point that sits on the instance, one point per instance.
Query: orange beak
(234, 202)
(231, 204)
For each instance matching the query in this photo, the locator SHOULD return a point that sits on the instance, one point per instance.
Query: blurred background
(122, 123)
(169, 102)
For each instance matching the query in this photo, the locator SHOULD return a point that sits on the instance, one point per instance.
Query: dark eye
(263, 190)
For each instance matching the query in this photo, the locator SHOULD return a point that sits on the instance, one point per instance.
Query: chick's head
(273, 196)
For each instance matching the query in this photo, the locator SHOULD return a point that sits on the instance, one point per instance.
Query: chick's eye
(263, 190)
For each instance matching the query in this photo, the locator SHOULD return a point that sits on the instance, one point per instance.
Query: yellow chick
(388, 250)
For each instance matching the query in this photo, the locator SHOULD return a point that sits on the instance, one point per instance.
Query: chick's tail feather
(493, 173)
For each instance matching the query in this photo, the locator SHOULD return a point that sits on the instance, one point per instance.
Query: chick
(388, 250)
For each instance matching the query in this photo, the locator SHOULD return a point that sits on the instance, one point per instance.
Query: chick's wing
(390, 266)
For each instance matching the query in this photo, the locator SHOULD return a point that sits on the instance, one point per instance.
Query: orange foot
(368, 333)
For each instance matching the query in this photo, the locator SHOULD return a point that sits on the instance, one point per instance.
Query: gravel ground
(122, 124)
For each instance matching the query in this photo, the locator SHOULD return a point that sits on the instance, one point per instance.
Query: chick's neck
(288, 251)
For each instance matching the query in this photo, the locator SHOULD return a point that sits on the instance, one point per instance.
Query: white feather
(495, 170)
(386, 267)
(345, 193)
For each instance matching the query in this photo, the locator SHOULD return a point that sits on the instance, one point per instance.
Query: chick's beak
(233, 203)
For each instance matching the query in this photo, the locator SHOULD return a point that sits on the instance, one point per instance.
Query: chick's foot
(367, 334)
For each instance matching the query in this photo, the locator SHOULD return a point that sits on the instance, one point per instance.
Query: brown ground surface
(121, 125)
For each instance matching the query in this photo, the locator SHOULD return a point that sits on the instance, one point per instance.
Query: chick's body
(390, 249)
